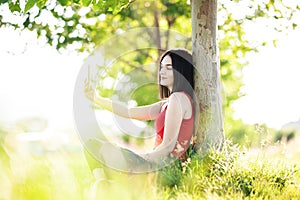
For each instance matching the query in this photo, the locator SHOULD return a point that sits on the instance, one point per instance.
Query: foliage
(257, 135)
(285, 135)
(248, 135)
(230, 174)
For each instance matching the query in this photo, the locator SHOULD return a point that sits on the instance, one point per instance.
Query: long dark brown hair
(183, 71)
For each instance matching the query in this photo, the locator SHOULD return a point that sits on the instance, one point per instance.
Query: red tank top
(184, 136)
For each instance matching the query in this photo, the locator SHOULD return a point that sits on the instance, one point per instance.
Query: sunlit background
(37, 81)
(271, 83)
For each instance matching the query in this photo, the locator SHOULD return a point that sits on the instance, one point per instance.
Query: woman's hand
(89, 91)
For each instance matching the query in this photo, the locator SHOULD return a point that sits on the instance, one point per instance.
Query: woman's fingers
(88, 90)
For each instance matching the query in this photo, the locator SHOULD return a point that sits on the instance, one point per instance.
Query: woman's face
(166, 72)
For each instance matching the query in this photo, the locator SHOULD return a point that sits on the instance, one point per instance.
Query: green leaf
(14, 6)
(41, 3)
(63, 2)
(86, 2)
(29, 5)
(3, 1)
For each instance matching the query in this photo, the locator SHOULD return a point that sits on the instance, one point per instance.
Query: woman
(174, 114)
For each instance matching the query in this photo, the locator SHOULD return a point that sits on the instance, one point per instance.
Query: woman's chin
(163, 83)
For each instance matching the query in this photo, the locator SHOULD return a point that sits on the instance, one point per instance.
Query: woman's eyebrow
(168, 64)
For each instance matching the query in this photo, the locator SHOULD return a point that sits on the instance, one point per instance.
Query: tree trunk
(209, 133)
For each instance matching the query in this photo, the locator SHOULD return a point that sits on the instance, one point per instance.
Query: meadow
(43, 170)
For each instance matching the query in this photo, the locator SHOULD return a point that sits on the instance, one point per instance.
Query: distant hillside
(292, 125)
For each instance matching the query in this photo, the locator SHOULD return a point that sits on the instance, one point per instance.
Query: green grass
(233, 174)
(230, 174)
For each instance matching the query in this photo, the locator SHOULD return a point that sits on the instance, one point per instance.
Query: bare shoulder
(179, 97)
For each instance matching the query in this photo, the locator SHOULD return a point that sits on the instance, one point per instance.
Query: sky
(36, 80)
(272, 81)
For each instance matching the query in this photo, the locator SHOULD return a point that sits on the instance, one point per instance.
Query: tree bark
(209, 132)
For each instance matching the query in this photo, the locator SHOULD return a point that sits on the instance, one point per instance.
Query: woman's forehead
(166, 60)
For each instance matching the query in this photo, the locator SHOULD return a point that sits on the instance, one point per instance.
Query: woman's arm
(140, 113)
(173, 120)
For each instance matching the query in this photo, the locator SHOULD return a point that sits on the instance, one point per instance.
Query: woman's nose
(162, 71)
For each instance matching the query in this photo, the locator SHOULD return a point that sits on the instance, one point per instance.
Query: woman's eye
(166, 67)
